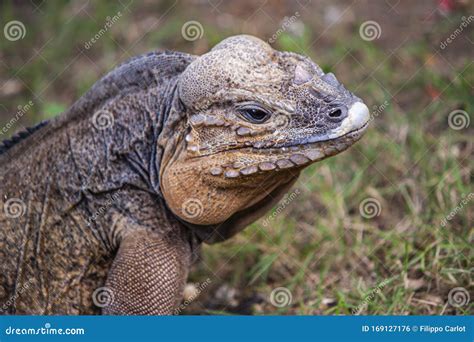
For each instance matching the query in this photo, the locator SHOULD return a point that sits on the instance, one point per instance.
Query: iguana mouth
(330, 143)
(307, 142)
(282, 158)
(296, 145)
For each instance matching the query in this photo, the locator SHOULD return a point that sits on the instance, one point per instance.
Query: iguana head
(254, 118)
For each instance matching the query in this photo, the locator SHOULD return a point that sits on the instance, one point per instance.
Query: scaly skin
(115, 196)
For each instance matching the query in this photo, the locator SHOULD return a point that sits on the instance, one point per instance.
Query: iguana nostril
(337, 114)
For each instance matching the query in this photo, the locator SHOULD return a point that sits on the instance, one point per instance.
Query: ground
(384, 228)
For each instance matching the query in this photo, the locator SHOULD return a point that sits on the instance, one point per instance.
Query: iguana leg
(148, 274)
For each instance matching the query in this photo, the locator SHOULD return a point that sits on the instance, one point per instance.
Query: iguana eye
(254, 114)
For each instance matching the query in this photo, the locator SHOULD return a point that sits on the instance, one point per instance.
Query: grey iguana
(166, 152)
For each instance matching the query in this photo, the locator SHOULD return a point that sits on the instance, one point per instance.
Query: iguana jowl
(165, 152)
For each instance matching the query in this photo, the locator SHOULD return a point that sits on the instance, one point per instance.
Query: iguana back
(66, 186)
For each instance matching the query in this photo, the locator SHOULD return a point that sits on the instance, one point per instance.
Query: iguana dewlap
(165, 152)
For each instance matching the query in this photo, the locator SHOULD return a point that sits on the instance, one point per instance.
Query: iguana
(164, 153)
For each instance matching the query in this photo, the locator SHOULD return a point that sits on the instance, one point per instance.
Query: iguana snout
(255, 118)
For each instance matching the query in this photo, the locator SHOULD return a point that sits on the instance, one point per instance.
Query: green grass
(320, 247)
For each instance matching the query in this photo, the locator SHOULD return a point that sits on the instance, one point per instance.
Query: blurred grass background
(411, 163)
